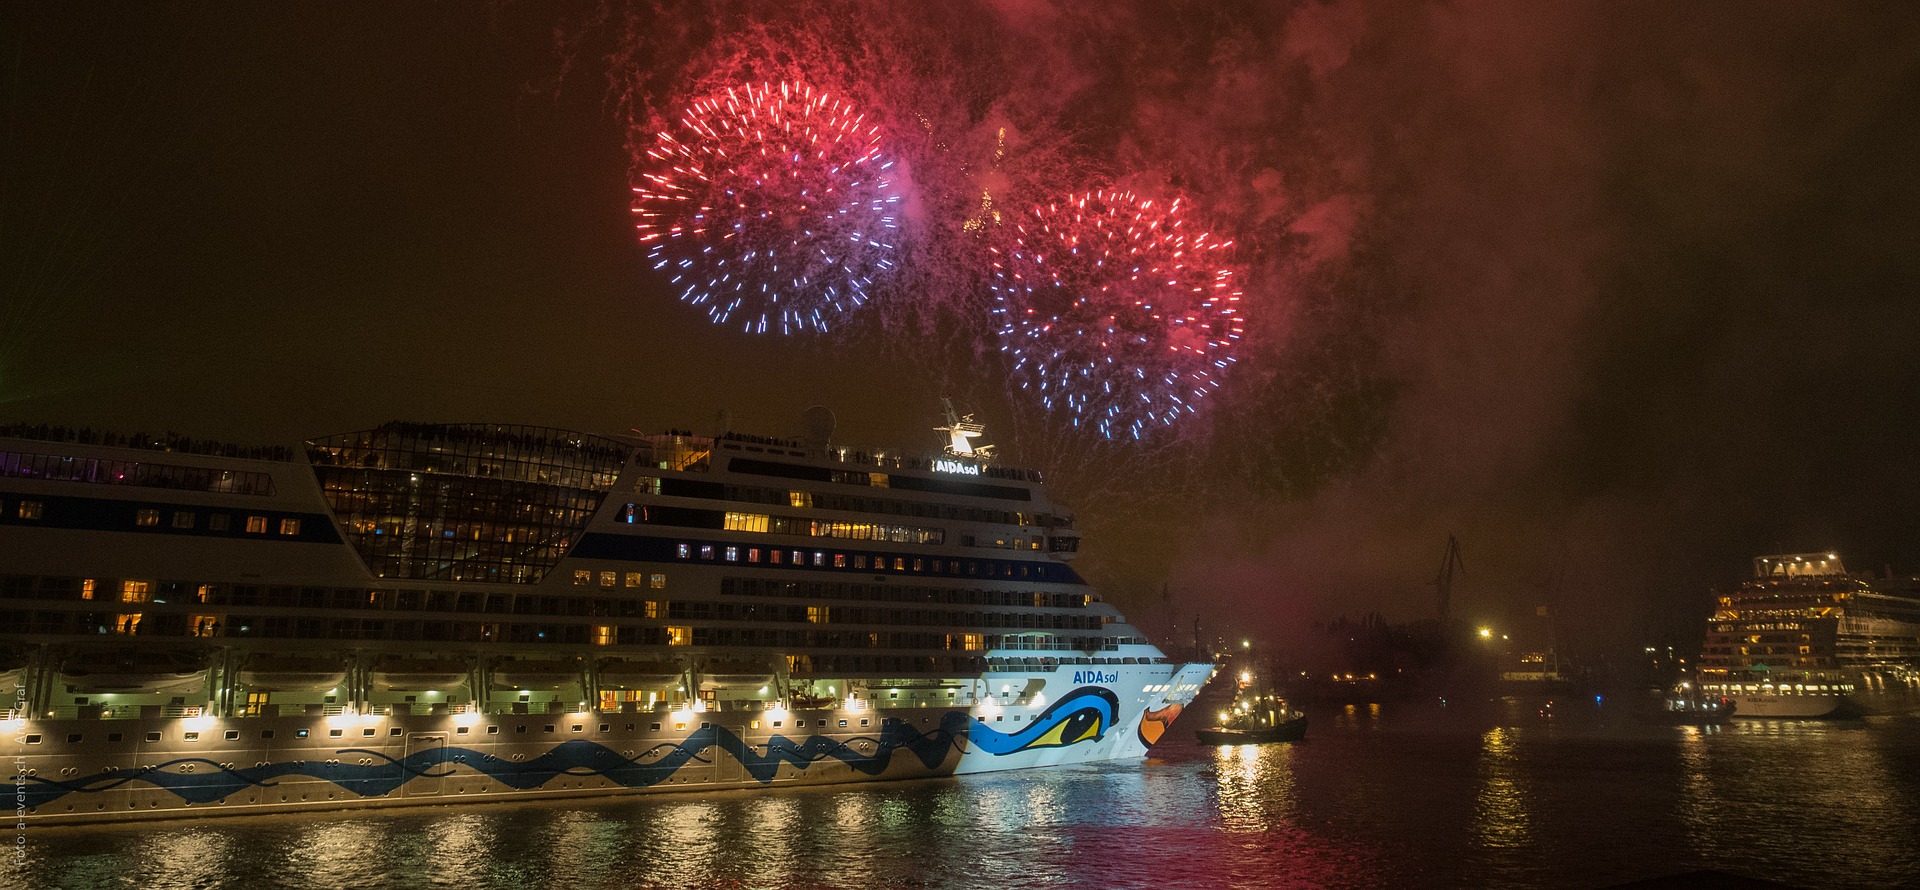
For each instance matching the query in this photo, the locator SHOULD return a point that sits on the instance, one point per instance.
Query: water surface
(1412, 795)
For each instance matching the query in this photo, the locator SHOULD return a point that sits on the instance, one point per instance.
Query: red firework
(769, 205)
(1115, 311)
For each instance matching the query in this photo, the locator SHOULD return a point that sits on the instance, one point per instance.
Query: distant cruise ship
(1803, 637)
(419, 613)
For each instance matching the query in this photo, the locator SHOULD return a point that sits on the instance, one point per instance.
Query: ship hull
(1805, 707)
(425, 613)
(85, 771)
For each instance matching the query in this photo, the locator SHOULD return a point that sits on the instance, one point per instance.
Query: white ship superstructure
(1803, 637)
(424, 612)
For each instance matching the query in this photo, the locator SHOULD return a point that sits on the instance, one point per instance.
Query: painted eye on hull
(1078, 727)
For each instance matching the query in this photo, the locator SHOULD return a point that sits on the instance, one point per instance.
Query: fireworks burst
(771, 206)
(1112, 310)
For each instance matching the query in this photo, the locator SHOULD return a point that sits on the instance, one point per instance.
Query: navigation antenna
(961, 430)
(1444, 581)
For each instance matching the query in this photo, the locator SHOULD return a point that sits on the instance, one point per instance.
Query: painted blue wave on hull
(1084, 714)
(208, 781)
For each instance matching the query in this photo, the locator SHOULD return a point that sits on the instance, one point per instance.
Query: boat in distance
(1684, 706)
(1291, 728)
(421, 613)
(1256, 716)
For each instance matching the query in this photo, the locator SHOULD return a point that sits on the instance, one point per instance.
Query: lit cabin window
(257, 525)
(733, 554)
(684, 551)
(603, 635)
(746, 522)
(31, 509)
(679, 636)
(609, 579)
(706, 551)
(127, 624)
(289, 526)
(147, 517)
(633, 579)
(183, 519)
(657, 581)
(582, 577)
(136, 591)
(86, 589)
(799, 499)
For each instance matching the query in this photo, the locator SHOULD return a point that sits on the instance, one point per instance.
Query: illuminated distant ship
(419, 613)
(1803, 637)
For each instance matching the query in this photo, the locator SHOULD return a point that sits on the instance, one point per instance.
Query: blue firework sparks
(771, 206)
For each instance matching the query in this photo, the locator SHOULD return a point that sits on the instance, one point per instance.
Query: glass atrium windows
(465, 502)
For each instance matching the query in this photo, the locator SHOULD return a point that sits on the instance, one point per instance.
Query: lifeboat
(807, 701)
(619, 673)
(134, 671)
(536, 674)
(736, 673)
(420, 673)
(292, 673)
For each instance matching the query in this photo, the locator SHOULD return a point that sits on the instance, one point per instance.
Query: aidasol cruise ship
(1804, 637)
(424, 613)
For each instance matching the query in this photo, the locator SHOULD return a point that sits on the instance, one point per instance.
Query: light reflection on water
(1502, 808)
(1405, 796)
(1256, 786)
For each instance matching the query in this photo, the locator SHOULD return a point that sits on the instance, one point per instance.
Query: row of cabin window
(967, 596)
(219, 522)
(856, 561)
(100, 471)
(277, 627)
(147, 517)
(585, 577)
(173, 592)
(754, 494)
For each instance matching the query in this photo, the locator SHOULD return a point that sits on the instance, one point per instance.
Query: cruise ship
(1804, 637)
(422, 613)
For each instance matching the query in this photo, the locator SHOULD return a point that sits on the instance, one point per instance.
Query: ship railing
(121, 712)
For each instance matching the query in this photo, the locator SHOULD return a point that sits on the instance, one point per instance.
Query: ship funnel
(816, 426)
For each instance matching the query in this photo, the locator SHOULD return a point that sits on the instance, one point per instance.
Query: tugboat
(1685, 706)
(1256, 716)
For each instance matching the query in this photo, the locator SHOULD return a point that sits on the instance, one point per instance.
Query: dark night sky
(1622, 297)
